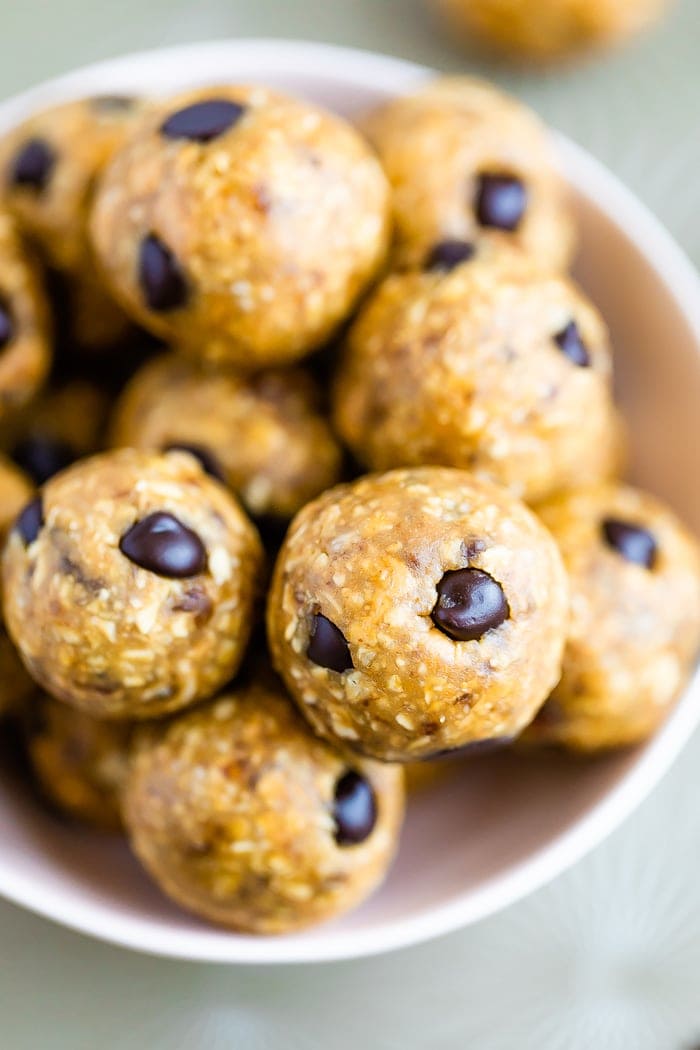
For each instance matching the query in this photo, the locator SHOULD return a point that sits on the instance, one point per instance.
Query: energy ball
(417, 611)
(244, 817)
(130, 584)
(242, 224)
(262, 435)
(468, 163)
(49, 167)
(491, 365)
(79, 762)
(545, 30)
(15, 684)
(25, 350)
(634, 629)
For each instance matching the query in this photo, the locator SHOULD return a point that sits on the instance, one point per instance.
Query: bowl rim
(671, 267)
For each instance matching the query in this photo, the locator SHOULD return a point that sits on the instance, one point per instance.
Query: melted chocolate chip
(32, 165)
(160, 275)
(30, 520)
(163, 545)
(447, 255)
(327, 646)
(41, 456)
(633, 542)
(470, 603)
(501, 201)
(571, 344)
(354, 809)
(7, 325)
(203, 121)
(207, 460)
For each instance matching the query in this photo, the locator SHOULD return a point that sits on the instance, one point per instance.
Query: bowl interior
(505, 823)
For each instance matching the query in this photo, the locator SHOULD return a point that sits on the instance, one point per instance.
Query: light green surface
(608, 956)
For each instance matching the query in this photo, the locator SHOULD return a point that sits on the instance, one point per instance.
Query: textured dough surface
(15, 683)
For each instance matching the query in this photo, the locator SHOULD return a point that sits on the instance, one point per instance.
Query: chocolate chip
(113, 103)
(207, 460)
(354, 809)
(327, 646)
(470, 603)
(161, 278)
(633, 542)
(203, 121)
(500, 201)
(571, 344)
(163, 545)
(7, 325)
(32, 165)
(30, 520)
(448, 254)
(41, 456)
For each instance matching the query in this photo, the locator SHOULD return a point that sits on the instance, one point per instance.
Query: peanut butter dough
(490, 365)
(80, 762)
(634, 629)
(15, 683)
(130, 584)
(467, 162)
(417, 611)
(244, 817)
(242, 224)
(263, 435)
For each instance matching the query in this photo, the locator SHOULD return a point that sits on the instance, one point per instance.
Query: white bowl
(508, 823)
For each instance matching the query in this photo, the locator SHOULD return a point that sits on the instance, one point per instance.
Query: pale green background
(608, 956)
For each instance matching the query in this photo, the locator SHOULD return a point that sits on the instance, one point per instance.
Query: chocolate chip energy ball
(49, 166)
(417, 611)
(263, 435)
(25, 351)
(544, 30)
(634, 630)
(15, 683)
(242, 224)
(244, 817)
(130, 583)
(467, 162)
(488, 364)
(80, 762)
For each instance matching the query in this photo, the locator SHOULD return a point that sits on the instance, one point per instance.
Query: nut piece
(130, 584)
(244, 817)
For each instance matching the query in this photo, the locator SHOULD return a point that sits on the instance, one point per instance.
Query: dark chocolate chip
(571, 344)
(161, 277)
(207, 460)
(112, 103)
(501, 201)
(448, 254)
(203, 121)
(41, 456)
(32, 165)
(30, 520)
(327, 646)
(470, 603)
(163, 545)
(354, 809)
(633, 542)
(7, 325)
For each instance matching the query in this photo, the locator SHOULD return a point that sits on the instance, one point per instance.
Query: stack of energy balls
(420, 611)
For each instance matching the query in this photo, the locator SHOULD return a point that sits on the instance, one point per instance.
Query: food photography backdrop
(607, 956)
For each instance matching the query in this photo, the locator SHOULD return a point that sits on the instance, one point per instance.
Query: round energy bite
(491, 365)
(130, 583)
(634, 628)
(79, 762)
(242, 224)
(543, 30)
(417, 611)
(15, 683)
(25, 352)
(467, 162)
(244, 817)
(262, 435)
